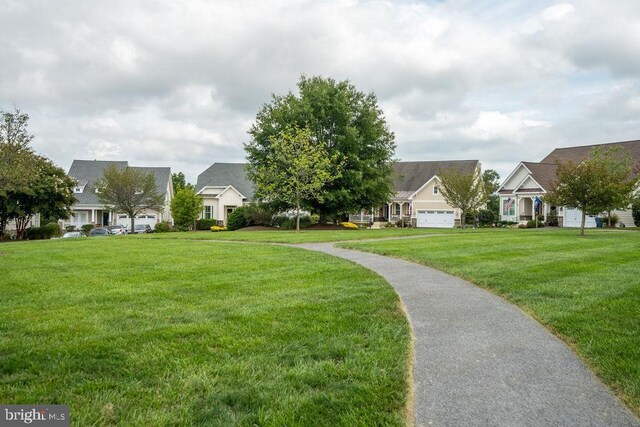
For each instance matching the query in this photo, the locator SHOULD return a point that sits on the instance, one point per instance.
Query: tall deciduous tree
(17, 168)
(186, 207)
(465, 191)
(298, 168)
(49, 193)
(128, 190)
(491, 181)
(351, 127)
(600, 183)
(180, 181)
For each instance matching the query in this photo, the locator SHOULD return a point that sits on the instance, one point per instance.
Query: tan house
(89, 210)
(223, 187)
(521, 194)
(417, 200)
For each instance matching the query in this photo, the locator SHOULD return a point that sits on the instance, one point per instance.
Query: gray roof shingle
(577, 154)
(224, 174)
(90, 171)
(410, 176)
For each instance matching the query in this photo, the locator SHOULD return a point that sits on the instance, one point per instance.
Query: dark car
(142, 229)
(99, 232)
(117, 229)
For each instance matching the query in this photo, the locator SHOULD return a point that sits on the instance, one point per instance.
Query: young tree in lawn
(186, 207)
(465, 191)
(598, 184)
(298, 168)
(352, 129)
(50, 194)
(128, 190)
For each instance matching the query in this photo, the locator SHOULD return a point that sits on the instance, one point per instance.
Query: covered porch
(392, 212)
(98, 217)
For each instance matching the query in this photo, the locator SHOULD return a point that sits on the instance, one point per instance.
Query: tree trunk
(132, 224)
(584, 217)
(297, 216)
(609, 219)
(463, 215)
(21, 225)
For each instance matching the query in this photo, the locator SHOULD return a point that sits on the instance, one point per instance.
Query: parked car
(73, 234)
(117, 229)
(142, 229)
(99, 232)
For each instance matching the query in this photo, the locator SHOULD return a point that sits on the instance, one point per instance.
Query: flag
(538, 202)
(509, 203)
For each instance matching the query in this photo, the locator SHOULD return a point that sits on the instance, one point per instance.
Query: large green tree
(491, 181)
(352, 128)
(186, 207)
(463, 190)
(49, 193)
(17, 167)
(128, 190)
(179, 182)
(602, 182)
(298, 168)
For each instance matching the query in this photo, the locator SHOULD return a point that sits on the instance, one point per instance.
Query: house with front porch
(417, 200)
(223, 188)
(89, 210)
(522, 193)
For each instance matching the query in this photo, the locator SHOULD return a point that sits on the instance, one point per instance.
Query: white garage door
(150, 219)
(438, 219)
(573, 218)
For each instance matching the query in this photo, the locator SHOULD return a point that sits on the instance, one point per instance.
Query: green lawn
(144, 331)
(304, 236)
(587, 289)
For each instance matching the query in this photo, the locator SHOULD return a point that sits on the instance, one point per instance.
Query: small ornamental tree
(601, 183)
(298, 168)
(465, 191)
(128, 190)
(186, 207)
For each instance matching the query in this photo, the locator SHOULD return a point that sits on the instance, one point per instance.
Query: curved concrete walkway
(481, 361)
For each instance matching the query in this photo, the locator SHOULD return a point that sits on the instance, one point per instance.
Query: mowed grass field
(586, 290)
(143, 331)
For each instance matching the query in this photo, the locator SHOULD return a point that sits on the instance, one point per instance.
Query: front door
(105, 218)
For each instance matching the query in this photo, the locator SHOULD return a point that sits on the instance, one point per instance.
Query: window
(508, 207)
(207, 212)
(397, 209)
(436, 190)
(77, 190)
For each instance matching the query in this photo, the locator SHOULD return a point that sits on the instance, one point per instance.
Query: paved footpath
(480, 361)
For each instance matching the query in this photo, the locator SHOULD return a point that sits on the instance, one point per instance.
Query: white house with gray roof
(89, 210)
(224, 187)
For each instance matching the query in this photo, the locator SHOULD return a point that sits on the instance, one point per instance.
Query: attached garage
(573, 218)
(142, 219)
(435, 219)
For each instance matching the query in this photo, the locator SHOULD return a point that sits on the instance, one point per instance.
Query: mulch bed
(315, 227)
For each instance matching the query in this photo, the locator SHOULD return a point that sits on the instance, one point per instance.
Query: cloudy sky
(171, 83)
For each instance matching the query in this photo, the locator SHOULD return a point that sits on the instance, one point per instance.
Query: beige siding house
(223, 187)
(417, 200)
(522, 192)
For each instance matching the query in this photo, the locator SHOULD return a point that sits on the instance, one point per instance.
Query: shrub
(552, 219)
(486, 217)
(205, 224)
(87, 228)
(389, 225)
(259, 214)
(45, 232)
(349, 225)
(289, 223)
(315, 218)
(162, 227)
(635, 211)
(237, 219)
(532, 224)
(218, 228)
(614, 220)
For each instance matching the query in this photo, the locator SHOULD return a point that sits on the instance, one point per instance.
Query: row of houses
(417, 199)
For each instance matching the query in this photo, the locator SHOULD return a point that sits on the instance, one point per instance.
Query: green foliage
(552, 219)
(532, 223)
(298, 168)
(611, 220)
(465, 191)
(237, 219)
(601, 183)
(186, 207)
(351, 127)
(47, 231)
(288, 223)
(86, 228)
(635, 211)
(179, 182)
(259, 213)
(162, 227)
(486, 217)
(129, 190)
(205, 224)
(16, 158)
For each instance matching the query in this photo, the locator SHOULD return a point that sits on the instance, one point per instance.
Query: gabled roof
(577, 154)
(411, 176)
(90, 171)
(542, 173)
(225, 174)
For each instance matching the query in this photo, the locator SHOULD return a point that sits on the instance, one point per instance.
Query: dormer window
(77, 190)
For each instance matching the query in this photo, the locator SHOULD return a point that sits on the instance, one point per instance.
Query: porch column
(544, 211)
(389, 211)
(401, 214)
(93, 216)
(517, 202)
